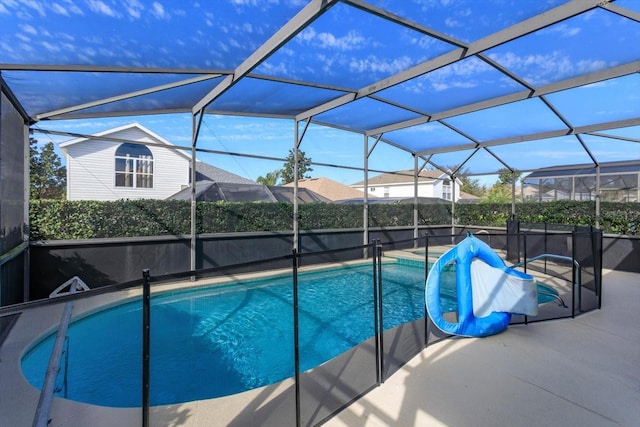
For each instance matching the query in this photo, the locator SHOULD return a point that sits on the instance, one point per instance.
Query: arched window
(134, 166)
(446, 189)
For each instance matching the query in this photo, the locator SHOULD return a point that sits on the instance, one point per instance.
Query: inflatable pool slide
(487, 291)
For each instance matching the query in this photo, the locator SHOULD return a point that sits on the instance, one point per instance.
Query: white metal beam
(598, 76)
(404, 22)
(541, 135)
(107, 69)
(307, 15)
(124, 96)
(627, 13)
(520, 29)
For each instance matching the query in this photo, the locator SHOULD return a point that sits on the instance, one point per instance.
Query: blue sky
(344, 47)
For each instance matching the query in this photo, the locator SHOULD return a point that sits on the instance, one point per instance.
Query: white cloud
(464, 74)
(452, 23)
(6, 48)
(33, 4)
(159, 12)
(245, 2)
(563, 29)
(29, 29)
(133, 12)
(352, 40)
(376, 65)
(72, 7)
(98, 6)
(274, 69)
(3, 9)
(60, 10)
(51, 47)
(590, 65)
(543, 68)
(209, 19)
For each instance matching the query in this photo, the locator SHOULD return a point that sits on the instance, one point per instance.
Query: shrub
(61, 220)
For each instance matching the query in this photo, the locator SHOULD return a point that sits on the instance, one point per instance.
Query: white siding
(91, 170)
(405, 190)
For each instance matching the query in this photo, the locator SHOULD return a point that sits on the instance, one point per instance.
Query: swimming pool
(222, 340)
(225, 339)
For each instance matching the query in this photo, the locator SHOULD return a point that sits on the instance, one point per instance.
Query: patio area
(570, 372)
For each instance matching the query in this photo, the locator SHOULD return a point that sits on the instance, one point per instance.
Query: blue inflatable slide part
(468, 325)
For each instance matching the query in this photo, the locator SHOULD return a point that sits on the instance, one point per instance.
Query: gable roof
(305, 195)
(207, 172)
(106, 135)
(329, 189)
(210, 191)
(402, 177)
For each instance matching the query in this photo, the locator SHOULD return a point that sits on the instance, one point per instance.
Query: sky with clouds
(345, 48)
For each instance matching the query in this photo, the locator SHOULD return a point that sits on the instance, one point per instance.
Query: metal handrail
(557, 297)
(41, 416)
(576, 269)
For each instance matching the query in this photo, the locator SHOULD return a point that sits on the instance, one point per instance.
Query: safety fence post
(296, 335)
(146, 344)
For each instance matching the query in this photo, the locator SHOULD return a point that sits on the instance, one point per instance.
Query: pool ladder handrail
(576, 269)
(41, 416)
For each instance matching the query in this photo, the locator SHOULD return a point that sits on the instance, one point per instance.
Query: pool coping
(18, 407)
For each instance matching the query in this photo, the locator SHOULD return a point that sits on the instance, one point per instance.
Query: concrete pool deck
(583, 372)
(570, 372)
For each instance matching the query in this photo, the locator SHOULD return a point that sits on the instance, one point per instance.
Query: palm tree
(270, 179)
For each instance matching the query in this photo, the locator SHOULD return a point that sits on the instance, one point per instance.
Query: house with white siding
(115, 164)
(400, 185)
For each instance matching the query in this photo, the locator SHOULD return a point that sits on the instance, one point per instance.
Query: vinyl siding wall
(405, 190)
(91, 170)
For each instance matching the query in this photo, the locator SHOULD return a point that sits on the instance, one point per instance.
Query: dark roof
(207, 172)
(209, 191)
(285, 194)
(605, 168)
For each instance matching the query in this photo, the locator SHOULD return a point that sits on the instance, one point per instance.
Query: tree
(499, 193)
(47, 175)
(304, 163)
(471, 185)
(506, 177)
(271, 178)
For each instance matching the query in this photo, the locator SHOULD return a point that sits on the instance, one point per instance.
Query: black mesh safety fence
(294, 339)
(338, 333)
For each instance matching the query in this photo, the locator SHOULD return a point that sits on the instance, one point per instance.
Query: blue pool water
(227, 339)
(224, 340)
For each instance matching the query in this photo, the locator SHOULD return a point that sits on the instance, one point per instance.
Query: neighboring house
(468, 198)
(101, 167)
(329, 189)
(400, 185)
(207, 172)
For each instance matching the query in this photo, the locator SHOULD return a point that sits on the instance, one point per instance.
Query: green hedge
(61, 220)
